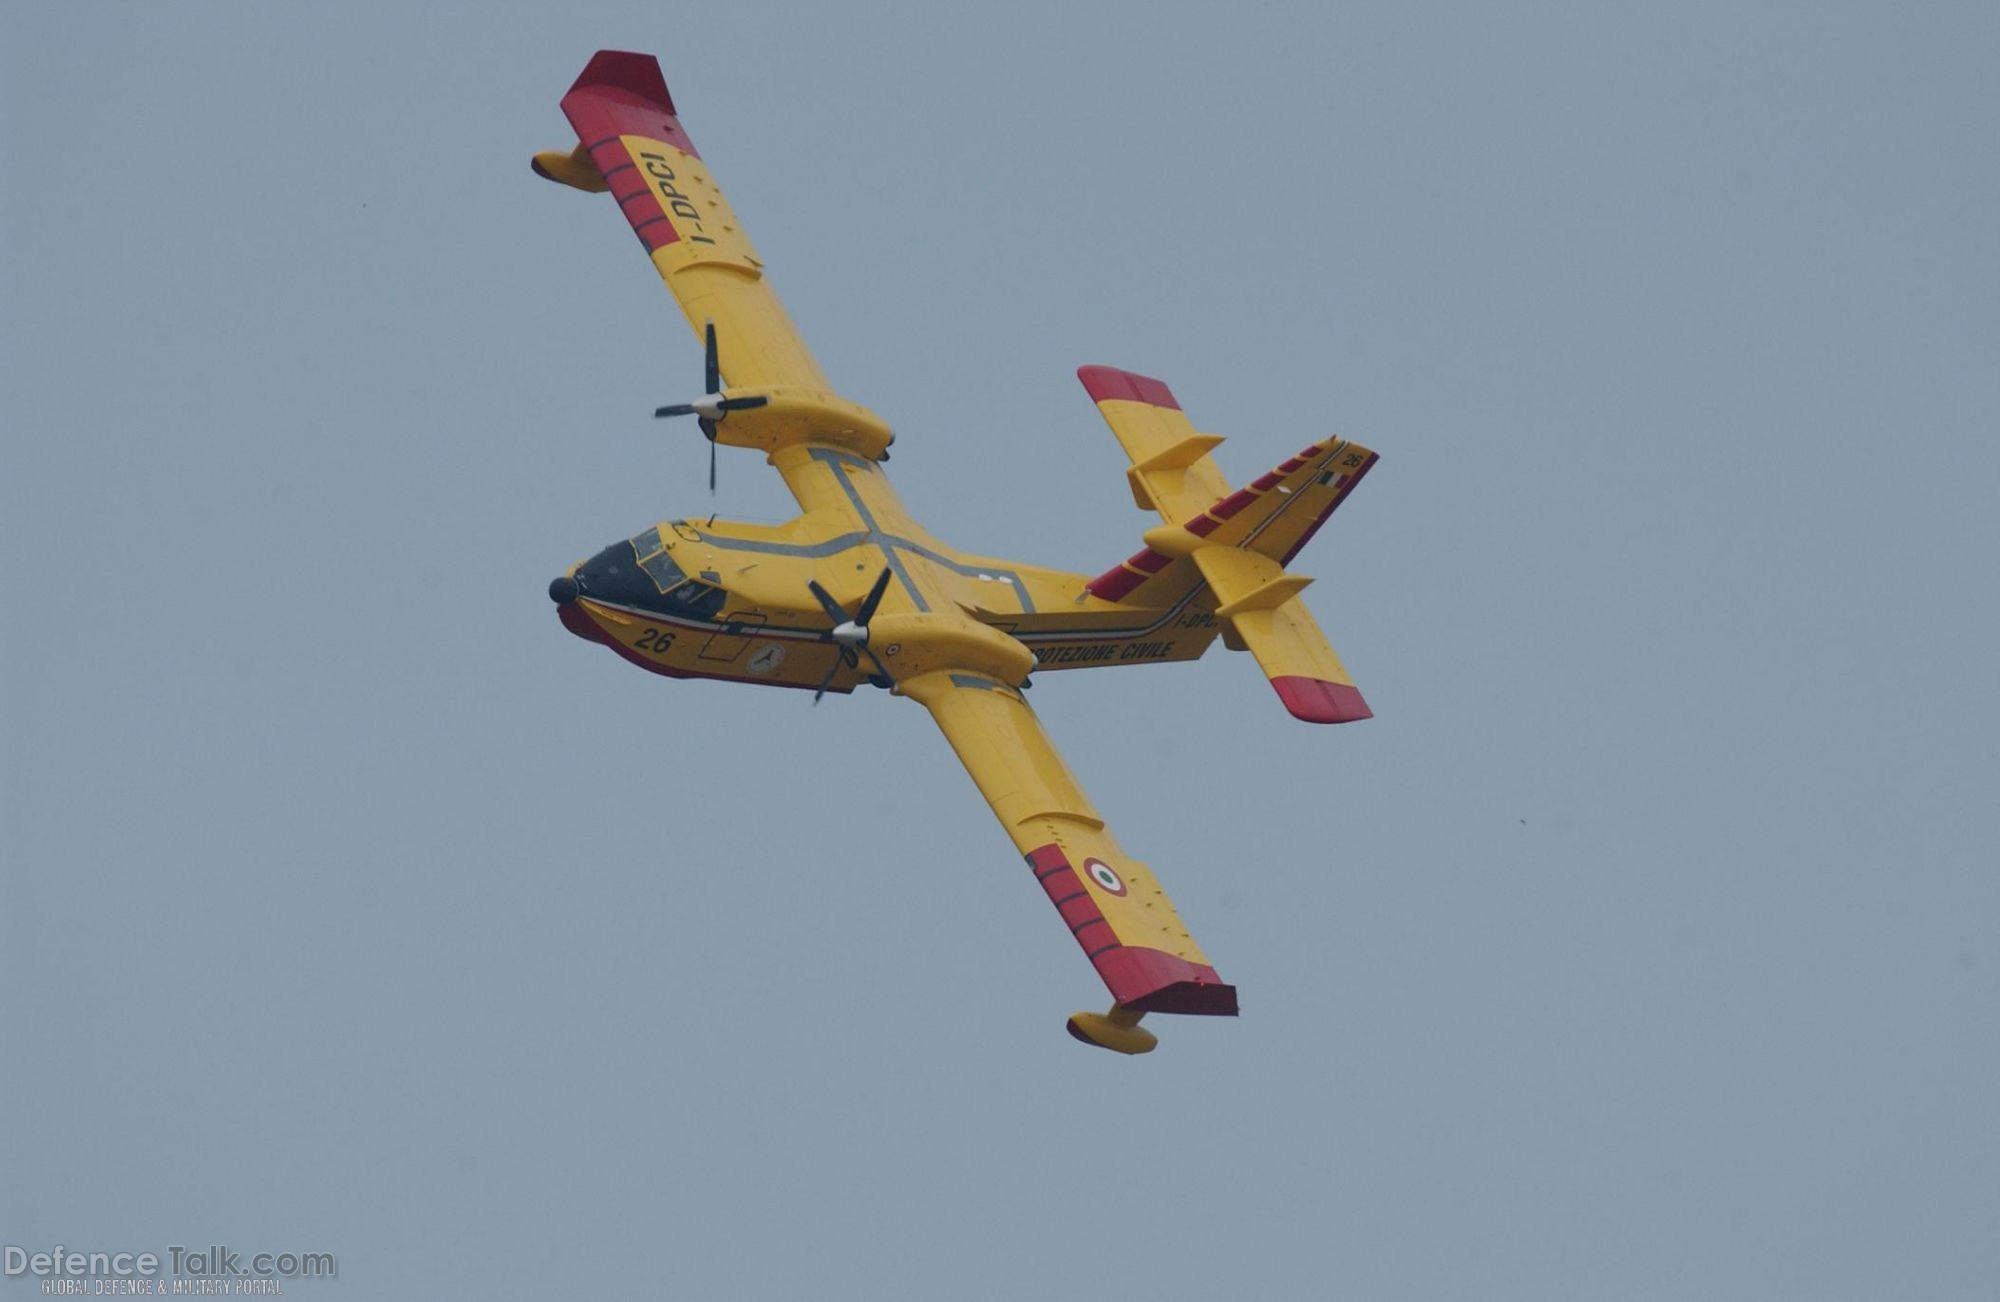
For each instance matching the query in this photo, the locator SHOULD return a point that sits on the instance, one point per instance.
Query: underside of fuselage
(733, 601)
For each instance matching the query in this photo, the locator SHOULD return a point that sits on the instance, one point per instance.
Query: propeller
(850, 632)
(711, 407)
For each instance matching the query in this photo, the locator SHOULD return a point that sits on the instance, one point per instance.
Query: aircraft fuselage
(731, 600)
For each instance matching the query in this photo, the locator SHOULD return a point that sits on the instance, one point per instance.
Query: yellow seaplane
(854, 591)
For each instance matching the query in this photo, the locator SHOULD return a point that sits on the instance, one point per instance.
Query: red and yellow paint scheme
(853, 590)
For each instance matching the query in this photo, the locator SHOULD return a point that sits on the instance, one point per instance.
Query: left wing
(632, 144)
(1124, 922)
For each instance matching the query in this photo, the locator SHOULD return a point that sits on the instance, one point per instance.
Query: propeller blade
(827, 681)
(846, 657)
(880, 668)
(712, 405)
(873, 599)
(827, 603)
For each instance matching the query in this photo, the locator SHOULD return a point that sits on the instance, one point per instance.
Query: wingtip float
(853, 591)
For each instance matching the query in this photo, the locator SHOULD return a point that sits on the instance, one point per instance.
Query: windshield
(681, 593)
(639, 573)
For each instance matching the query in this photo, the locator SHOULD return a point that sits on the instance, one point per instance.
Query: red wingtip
(635, 74)
(1317, 701)
(1154, 981)
(1108, 382)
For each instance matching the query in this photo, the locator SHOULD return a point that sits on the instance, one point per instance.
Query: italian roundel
(1102, 873)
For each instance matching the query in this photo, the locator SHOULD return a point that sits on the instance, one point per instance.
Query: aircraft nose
(563, 589)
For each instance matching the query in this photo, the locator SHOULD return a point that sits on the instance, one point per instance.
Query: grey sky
(1645, 945)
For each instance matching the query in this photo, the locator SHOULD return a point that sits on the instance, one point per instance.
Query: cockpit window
(660, 568)
(645, 544)
(698, 598)
(654, 559)
(641, 574)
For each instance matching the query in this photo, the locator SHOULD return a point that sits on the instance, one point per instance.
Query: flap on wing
(1112, 904)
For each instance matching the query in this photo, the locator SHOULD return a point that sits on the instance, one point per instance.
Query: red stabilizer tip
(1106, 382)
(1317, 701)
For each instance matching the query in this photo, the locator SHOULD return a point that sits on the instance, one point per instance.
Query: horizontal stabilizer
(1172, 471)
(1288, 645)
(1301, 665)
(1317, 701)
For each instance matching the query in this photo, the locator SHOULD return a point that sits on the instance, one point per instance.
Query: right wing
(1120, 917)
(632, 144)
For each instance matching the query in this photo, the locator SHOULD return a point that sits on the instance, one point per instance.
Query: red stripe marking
(1106, 383)
(1046, 860)
(1201, 526)
(1265, 483)
(629, 189)
(1114, 585)
(1066, 891)
(1233, 503)
(1061, 885)
(1078, 914)
(612, 158)
(1117, 582)
(634, 193)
